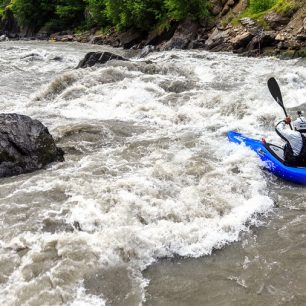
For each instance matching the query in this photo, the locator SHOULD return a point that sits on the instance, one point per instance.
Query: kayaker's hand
(287, 120)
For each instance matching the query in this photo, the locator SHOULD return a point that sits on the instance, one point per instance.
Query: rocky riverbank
(230, 29)
(274, 34)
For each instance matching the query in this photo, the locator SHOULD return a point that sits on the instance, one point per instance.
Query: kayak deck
(273, 158)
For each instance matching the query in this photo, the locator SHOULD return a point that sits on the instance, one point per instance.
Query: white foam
(179, 188)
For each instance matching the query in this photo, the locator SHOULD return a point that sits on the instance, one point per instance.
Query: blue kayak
(273, 158)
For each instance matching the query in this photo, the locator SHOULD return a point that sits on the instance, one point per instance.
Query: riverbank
(230, 29)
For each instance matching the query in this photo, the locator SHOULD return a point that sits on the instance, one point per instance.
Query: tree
(141, 14)
(33, 14)
(70, 12)
(96, 13)
(180, 9)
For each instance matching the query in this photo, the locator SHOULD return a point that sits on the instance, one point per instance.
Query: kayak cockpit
(276, 151)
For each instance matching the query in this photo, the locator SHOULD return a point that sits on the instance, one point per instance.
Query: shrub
(70, 12)
(180, 9)
(258, 6)
(95, 13)
(33, 14)
(140, 14)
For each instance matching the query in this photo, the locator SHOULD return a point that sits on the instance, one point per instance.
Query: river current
(152, 205)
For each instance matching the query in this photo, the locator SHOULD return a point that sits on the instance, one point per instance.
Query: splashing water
(148, 171)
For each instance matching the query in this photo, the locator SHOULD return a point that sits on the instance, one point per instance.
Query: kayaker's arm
(281, 130)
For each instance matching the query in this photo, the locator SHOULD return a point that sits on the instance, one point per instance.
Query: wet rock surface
(183, 37)
(25, 145)
(94, 58)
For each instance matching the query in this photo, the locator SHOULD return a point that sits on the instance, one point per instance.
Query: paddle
(277, 95)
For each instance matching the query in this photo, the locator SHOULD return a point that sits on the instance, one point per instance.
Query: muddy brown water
(152, 205)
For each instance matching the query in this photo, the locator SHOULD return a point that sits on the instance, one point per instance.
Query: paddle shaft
(277, 95)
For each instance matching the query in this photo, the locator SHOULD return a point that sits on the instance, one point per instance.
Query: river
(152, 205)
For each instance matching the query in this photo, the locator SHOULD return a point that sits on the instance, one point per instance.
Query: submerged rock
(146, 50)
(25, 145)
(3, 38)
(93, 58)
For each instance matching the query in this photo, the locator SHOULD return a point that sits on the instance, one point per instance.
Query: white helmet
(300, 124)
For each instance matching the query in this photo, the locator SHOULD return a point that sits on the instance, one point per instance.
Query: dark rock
(64, 36)
(67, 38)
(225, 10)
(263, 40)
(198, 43)
(242, 40)
(301, 37)
(93, 58)
(218, 40)
(248, 22)
(216, 7)
(25, 145)
(231, 3)
(294, 44)
(130, 38)
(276, 21)
(282, 45)
(155, 37)
(97, 40)
(42, 35)
(183, 36)
(125, 39)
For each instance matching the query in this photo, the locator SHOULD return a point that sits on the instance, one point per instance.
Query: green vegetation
(3, 5)
(79, 15)
(33, 14)
(283, 7)
(289, 7)
(140, 14)
(71, 14)
(258, 9)
(180, 9)
(258, 6)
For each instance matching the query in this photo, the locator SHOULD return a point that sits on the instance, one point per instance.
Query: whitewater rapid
(148, 174)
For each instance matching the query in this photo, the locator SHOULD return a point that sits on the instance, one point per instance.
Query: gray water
(152, 205)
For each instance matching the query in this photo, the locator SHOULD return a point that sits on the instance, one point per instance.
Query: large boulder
(126, 39)
(157, 37)
(242, 40)
(276, 21)
(183, 36)
(25, 145)
(219, 40)
(93, 58)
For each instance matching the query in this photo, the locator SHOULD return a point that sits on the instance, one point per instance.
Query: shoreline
(230, 28)
(267, 52)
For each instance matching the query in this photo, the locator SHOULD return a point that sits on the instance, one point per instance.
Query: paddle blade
(275, 91)
(277, 95)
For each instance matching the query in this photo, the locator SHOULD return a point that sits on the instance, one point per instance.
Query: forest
(54, 15)
(80, 15)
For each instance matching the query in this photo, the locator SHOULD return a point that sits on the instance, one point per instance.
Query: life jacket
(291, 159)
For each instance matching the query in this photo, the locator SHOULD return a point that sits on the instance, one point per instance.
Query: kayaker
(295, 147)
